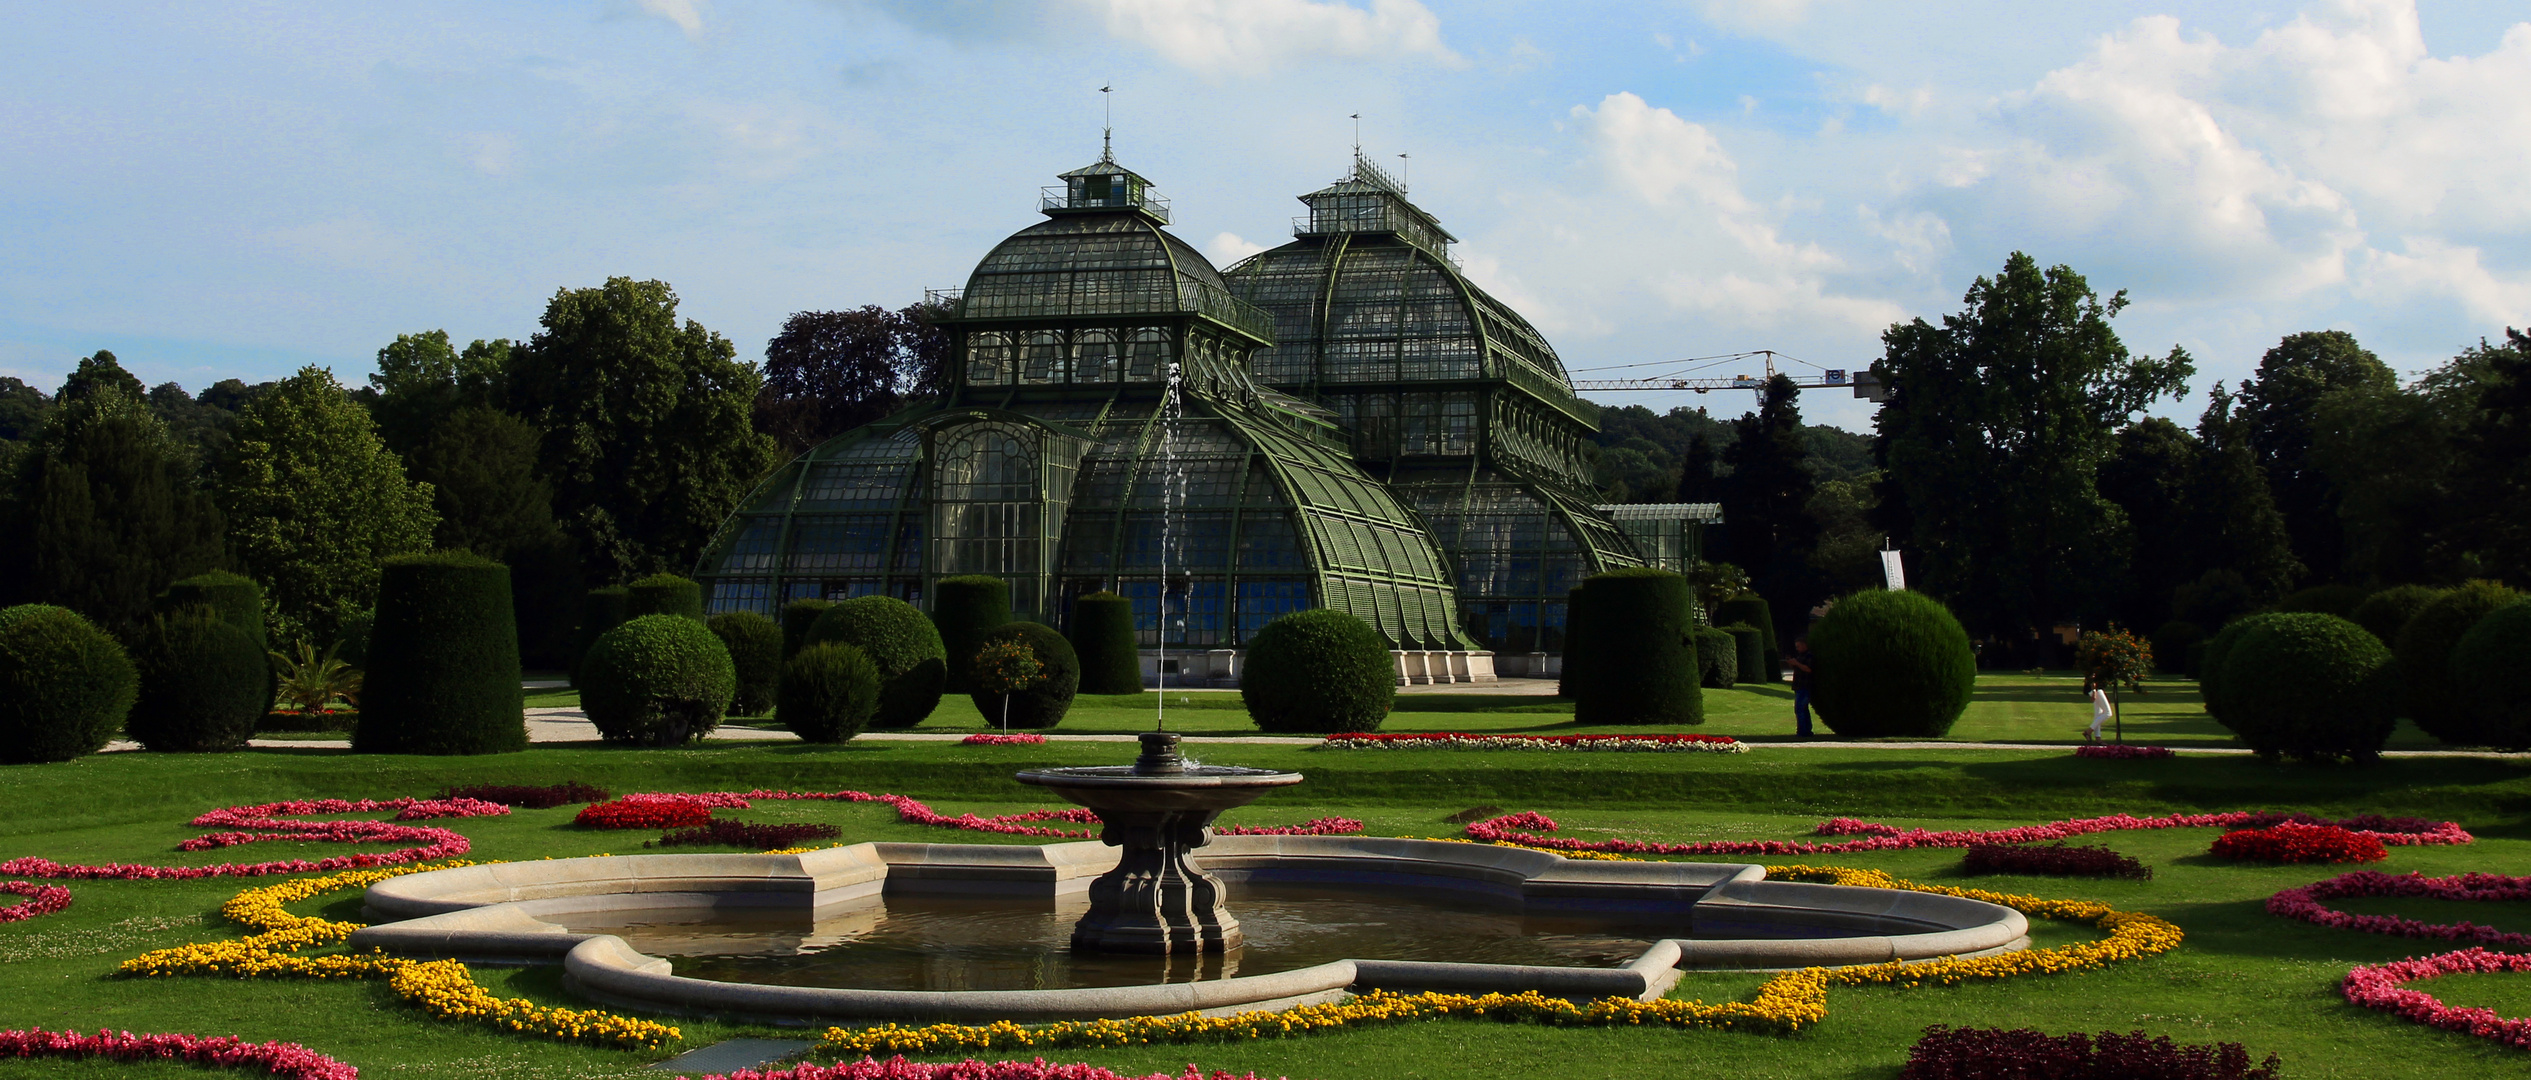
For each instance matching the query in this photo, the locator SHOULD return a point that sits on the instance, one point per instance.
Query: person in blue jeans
(1805, 665)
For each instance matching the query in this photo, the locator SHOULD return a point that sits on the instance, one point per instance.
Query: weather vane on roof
(1107, 129)
(1404, 173)
(1357, 134)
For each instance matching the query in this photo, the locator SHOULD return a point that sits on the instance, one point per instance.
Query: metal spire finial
(1107, 130)
(1357, 135)
(1405, 173)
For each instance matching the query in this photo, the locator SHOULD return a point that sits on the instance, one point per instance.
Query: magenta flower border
(1017, 738)
(2123, 752)
(914, 812)
(1462, 740)
(41, 900)
(289, 1061)
(1526, 828)
(897, 1068)
(2377, 986)
(2305, 902)
(431, 842)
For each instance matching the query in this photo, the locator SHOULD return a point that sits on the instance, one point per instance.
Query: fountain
(1158, 810)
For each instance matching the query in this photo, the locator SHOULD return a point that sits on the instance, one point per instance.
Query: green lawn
(2242, 976)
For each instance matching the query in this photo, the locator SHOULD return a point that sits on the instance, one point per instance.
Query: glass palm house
(1356, 426)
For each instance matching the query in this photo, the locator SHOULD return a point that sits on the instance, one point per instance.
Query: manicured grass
(2242, 976)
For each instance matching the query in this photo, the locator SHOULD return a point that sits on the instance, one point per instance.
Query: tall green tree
(1766, 502)
(2147, 474)
(2229, 515)
(2494, 473)
(315, 503)
(97, 373)
(828, 372)
(422, 379)
(2393, 456)
(105, 511)
(1992, 436)
(2280, 409)
(646, 426)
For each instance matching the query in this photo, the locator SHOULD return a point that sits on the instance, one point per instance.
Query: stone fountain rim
(1120, 776)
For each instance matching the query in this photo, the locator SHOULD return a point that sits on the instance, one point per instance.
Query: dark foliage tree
(2392, 455)
(201, 428)
(96, 373)
(2146, 475)
(2493, 476)
(1697, 480)
(646, 435)
(828, 372)
(105, 511)
(2230, 520)
(2279, 407)
(1766, 503)
(422, 380)
(22, 410)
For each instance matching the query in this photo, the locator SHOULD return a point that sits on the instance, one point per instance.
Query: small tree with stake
(1006, 667)
(2114, 658)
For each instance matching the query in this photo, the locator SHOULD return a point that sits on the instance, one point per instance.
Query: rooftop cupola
(1371, 201)
(1104, 187)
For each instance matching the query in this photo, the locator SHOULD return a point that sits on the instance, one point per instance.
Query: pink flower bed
(429, 842)
(290, 1061)
(897, 1068)
(41, 900)
(1526, 828)
(912, 811)
(1460, 740)
(2121, 752)
(1021, 738)
(2378, 986)
(2306, 903)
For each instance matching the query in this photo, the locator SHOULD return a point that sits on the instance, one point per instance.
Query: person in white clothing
(2101, 712)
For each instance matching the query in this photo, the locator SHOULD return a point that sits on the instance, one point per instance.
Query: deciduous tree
(828, 372)
(105, 510)
(2279, 409)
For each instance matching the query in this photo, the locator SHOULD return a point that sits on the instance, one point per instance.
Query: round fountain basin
(1121, 788)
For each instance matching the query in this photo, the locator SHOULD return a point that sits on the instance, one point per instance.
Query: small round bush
(2175, 647)
(1575, 669)
(755, 653)
(797, 617)
(2386, 612)
(2424, 650)
(1044, 702)
(2338, 600)
(1103, 637)
(203, 683)
(2492, 666)
(1891, 662)
(65, 685)
(1717, 658)
(2211, 687)
(235, 596)
(664, 594)
(964, 608)
(657, 680)
(2311, 687)
(1643, 651)
(1318, 671)
(902, 643)
(830, 691)
(601, 610)
(443, 675)
(1751, 608)
(1748, 649)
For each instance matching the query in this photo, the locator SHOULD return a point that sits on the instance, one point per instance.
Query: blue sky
(217, 189)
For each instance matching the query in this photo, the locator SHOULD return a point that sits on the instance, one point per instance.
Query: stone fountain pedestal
(1159, 810)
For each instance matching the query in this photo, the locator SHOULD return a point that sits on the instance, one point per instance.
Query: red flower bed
(2122, 752)
(431, 843)
(2305, 903)
(2377, 987)
(1021, 738)
(1949, 1053)
(2292, 842)
(2054, 860)
(533, 798)
(762, 837)
(289, 1061)
(897, 1068)
(644, 812)
(41, 900)
(1526, 829)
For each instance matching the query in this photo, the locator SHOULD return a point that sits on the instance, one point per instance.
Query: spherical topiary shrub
(1576, 667)
(902, 643)
(2492, 667)
(755, 654)
(235, 596)
(1103, 637)
(1049, 696)
(797, 617)
(65, 685)
(443, 675)
(1643, 651)
(2338, 600)
(1717, 658)
(1891, 662)
(2310, 686)
(1751, 608)
(657, 680)
(964, 608)
(2175, 647)
(601, 610)
(830, 691)
(2424, 650)
(204, 683)
(1748, 649)
(2210, 662)
(1318, 671)
(2386, 612)
(664, 594)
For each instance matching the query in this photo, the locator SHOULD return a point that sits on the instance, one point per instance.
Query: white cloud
(1255, 36)
(1229, 247)
(687, 14)
(2430, 269)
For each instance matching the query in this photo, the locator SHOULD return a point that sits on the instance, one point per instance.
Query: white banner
(1893, 574)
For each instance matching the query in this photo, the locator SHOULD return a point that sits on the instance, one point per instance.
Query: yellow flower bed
(1788, 1002)
(443, 988)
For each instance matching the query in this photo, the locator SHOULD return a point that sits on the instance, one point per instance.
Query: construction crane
(1683, 375)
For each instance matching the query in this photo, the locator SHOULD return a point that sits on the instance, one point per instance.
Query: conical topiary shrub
(1717, 657)
(235, 596)
(755, 654)
(901, 643)
(657, 680)
(2424, 653)
(1643, 666)
(1575, 669)
(664, 594)
(65, 685)
(963, 608)
(1050, 690)
(443, 675)
(1103, 637)
(204, 683)
(1748, 652)
(1891, 662)
(1318, 671)
(1752, 609)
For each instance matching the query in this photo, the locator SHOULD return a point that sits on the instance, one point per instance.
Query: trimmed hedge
(1717, 658)
(2386, 612)
(1577, 650)
(755, 654)
(1891, 662)
(1752, 609)
(1103, 637)
(2338, 600)
(443, 674)
(664, 594)
(2310, 686)
(1748, 652)
(203, 684)
(601, 610)
(1043, 704)
(2425, 659)
(830, 692)
(65, 686)
(2211, 687)
(235, 596)
(657, 680)
(901, 643)
(797, 617)
(1318, 671)
(2175, 647)
(964, 608)
(1645, 670)
(2492, 665)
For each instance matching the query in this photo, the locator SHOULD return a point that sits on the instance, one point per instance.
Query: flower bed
(289, 1061)
(1527, 829)
(1459, 740)
(2121, 752)
(2304, 903)
(2297, 843)
(41, 900)
(2378, 986)
(750, 834)
(912, 811)
(2055, 860)
(897, 1068)
(1948, 1053)
(1022, 738)
(644, 812)
(533, 798)
(431, 842)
